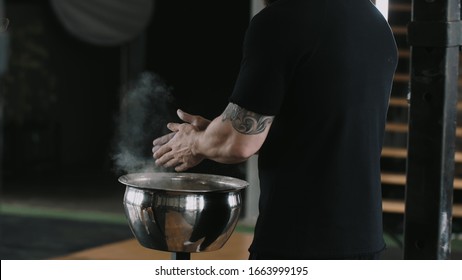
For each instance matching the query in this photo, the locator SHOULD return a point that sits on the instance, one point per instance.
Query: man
(311, 98)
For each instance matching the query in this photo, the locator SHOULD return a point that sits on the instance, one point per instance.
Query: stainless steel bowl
(182, 212)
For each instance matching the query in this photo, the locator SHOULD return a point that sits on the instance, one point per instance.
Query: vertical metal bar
(252, 194)
(181, 256)
(4, 53)
(432, 128)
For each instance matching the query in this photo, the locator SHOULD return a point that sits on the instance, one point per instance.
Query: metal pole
(252, 193)
(4, 53)
(435, 36)
(181, 256)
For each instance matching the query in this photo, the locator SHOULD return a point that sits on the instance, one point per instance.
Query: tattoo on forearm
(244, 121)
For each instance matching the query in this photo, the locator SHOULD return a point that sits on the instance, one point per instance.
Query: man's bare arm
(244, 121)
(230, 138)
(234, 136)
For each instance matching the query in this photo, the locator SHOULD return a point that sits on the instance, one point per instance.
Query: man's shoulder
(289, 13)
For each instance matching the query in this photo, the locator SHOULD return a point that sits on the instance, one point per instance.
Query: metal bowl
(182, 212)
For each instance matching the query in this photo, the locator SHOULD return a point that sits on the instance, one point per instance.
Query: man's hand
(179, 151)
(200, 122)
(159, 142)
(174, 150)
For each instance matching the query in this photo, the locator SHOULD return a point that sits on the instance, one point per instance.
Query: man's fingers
(186, 117)
(164, 159)
(173, 127)
(161, 152)
(195, 120)
(155, 148)
(171, 163)
(182, 167)
(163, 139)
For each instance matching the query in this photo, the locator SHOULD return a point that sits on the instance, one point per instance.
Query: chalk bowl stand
(182, 213)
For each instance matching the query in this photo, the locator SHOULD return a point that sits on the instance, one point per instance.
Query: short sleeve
(264, 72)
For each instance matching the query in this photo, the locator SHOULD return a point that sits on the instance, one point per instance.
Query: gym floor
(52, 221)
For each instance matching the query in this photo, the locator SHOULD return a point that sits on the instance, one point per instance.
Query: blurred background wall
(62, 93)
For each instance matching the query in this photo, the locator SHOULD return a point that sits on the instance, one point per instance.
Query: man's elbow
(242, 152)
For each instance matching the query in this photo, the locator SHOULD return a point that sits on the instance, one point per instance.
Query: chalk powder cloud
(145, 109)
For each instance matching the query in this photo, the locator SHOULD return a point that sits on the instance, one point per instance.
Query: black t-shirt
(324, 69)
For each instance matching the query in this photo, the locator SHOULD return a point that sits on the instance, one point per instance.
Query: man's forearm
(221, 143)
(234, 136)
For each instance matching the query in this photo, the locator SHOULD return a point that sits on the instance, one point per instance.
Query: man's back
(327, 78)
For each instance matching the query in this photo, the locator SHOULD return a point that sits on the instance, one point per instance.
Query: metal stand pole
(4, 54)
(181, 256)
(435, 37)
